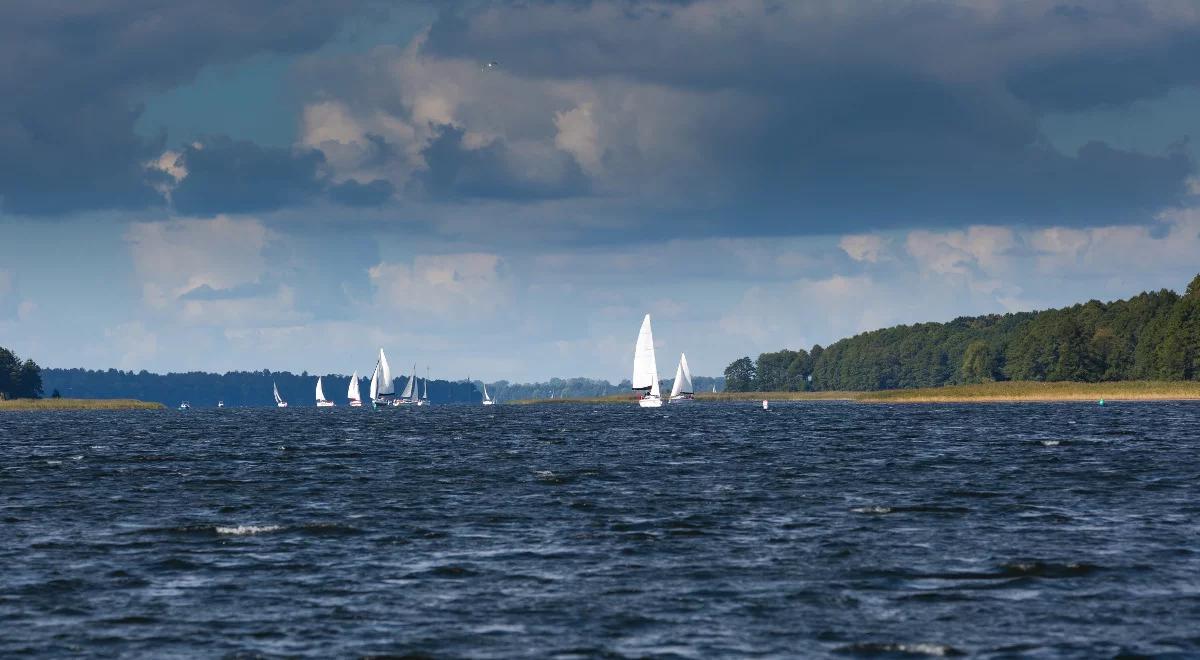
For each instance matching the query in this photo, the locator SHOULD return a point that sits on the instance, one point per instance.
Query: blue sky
(290, 185)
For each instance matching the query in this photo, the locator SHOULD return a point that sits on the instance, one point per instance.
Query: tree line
(1152, 336)
(19, 380)
(234, 388)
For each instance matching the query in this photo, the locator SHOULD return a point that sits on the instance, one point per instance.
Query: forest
(19, 380)
(1151, 336)
(235, 388)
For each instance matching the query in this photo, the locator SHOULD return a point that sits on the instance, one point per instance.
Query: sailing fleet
(382, 393)
(645, 373)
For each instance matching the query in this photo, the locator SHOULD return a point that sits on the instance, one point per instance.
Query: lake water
(582, 531)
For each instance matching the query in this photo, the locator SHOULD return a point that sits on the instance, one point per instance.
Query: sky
(292, 184)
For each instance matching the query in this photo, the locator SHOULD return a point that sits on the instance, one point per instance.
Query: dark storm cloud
(875, 114)
(73, 73)
(224, 175)
(454, 171)
(353, 193)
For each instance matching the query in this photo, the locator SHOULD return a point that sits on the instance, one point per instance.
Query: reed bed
(983, 393)
(79, 404)
(1035, 391)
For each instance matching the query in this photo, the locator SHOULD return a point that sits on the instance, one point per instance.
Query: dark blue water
(576, 531)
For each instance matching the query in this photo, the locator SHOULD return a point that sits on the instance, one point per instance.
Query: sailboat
(352, 392)
(487, 400)
(382, 386)
(409, 395)
(279, 402)
(322, 402)
(424, 400)
(645, 370)
(682, 391)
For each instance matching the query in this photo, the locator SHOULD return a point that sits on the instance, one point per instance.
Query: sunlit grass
(1035, 391)
(79, 404)
(986, 392)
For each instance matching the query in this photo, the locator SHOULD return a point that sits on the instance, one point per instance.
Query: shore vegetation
(78, 404)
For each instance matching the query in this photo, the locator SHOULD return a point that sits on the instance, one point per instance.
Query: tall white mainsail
(645, 369)
(374, 389)
(487, 400)
(352, 391)
(386, 386)
(322, 402)
(278, 399)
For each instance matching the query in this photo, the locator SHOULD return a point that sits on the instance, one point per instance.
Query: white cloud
(174, 257)
(211, 273)
(961, 252)
(132, 343)
(869, 248)
(468, 284)
(579, 136)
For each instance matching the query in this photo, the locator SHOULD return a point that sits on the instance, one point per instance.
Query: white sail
(278, 399)
(687, 376)
(410, 385)
(645, 370)
(425, 386)
(352, 391)
(485, 394)
(374, 390)
(320, 390)
(677, 387)
(386, 385)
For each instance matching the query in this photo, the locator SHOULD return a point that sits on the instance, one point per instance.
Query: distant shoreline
(1001, 392)
(78, 404)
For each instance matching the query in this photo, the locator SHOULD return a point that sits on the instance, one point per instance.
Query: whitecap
(873, 509)
(243, 530)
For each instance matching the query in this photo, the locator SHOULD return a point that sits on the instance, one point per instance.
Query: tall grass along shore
(79, 404)
(1014, 391)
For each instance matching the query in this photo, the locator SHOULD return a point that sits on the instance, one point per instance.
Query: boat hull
(325, 404)
(650, 402)
(356, 404)
(489, 403)
(281, 404)
(682, 399)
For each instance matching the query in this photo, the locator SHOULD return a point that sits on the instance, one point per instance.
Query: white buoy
(765, 406)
